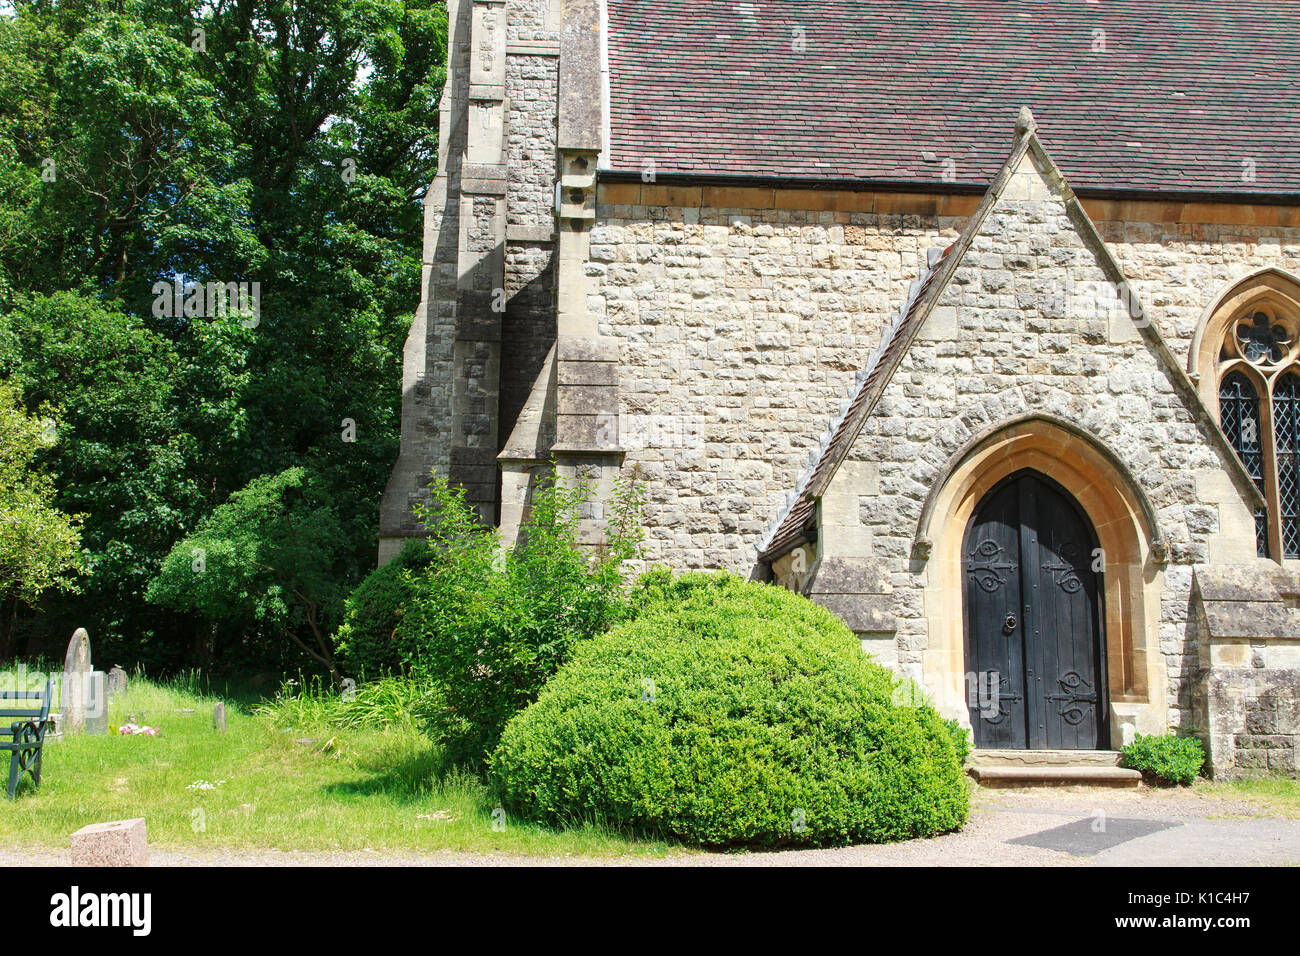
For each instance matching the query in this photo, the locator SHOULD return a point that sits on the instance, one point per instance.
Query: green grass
(1275, 796)
(350, 788)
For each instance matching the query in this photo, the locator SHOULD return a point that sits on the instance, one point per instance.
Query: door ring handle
(1010, 624)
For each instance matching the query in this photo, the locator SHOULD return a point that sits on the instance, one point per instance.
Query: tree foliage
(148, 142)
(267, 558)
(40, 547)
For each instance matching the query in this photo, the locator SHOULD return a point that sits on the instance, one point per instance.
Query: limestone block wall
(428, 360)
(532, 80)
(744, 314)
(531, 83)
(1247, 704)
(487, 317)
(1254, 721)
(1179, 257)
(742, 317)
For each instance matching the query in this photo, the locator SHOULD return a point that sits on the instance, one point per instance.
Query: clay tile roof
(1185, 96)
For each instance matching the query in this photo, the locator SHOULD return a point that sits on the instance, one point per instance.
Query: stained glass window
(1286, 430)
(1239, 416)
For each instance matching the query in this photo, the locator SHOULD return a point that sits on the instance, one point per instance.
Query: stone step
(1054, 776)
(1044, 758)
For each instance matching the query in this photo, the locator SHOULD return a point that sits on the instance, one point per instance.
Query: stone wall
(1178, 268)
(528, 326)
(486, 319)
(531, 81)
(1247, 699)
(428, 359)
(743, 316)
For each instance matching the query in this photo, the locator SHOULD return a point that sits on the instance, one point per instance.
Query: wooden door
(1032, 590)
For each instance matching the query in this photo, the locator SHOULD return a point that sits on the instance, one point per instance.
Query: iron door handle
(1010, 623)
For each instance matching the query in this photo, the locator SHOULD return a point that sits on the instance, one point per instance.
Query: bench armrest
(29, 731)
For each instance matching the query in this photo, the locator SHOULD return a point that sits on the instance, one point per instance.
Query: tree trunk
(201, 646)
(8, 614)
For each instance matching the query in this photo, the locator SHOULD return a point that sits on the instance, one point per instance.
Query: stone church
(978, 323)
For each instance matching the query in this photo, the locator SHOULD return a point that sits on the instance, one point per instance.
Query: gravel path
(1098, 827)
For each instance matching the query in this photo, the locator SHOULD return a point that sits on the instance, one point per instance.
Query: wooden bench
(26, 737)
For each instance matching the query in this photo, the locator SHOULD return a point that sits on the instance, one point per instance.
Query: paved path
(1067, 827)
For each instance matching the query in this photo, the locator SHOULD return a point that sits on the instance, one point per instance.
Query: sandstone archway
(1131, 548)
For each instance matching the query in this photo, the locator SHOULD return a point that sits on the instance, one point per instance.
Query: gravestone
(97, 703)
(83, 697)
(117, 680)
(75, 686)
(219, 717)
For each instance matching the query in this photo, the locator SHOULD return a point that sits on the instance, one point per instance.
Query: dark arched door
(1032, 588)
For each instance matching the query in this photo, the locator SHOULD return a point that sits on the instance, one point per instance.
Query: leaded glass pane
(1239, 416)
(1286, 427)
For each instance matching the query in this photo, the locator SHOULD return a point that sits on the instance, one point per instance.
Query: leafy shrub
(961, 742)
(365, 643)
(730, 713)
(490, 627)
(1166, 758)
(271, 557)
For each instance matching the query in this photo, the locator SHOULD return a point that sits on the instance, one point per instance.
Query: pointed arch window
(1259, 408)
(1239, 416)
(1286, 425)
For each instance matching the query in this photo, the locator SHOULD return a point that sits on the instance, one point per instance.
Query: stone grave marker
(219, 717)
(73, 693)
(117, 680)
(83, 695)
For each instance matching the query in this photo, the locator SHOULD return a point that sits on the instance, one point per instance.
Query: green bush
(490, 627)
(1166, 758)
(961, 742)
(365, 644)
(730, 713)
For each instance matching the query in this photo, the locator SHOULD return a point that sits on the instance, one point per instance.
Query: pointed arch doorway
(1033, 609)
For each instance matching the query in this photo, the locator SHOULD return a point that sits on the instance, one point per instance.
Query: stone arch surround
(1269, 285)
(1277, 292)
(1128, 536)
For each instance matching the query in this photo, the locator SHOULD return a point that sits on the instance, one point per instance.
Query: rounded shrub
(1165, 758)
(365, 644)
(730, 713)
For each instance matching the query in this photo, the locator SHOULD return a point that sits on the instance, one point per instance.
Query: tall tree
(39, 544)
(256, 141)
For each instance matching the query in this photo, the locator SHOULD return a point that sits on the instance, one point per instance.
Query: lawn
(293, 779)
(1275, 796)
(263, 784)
